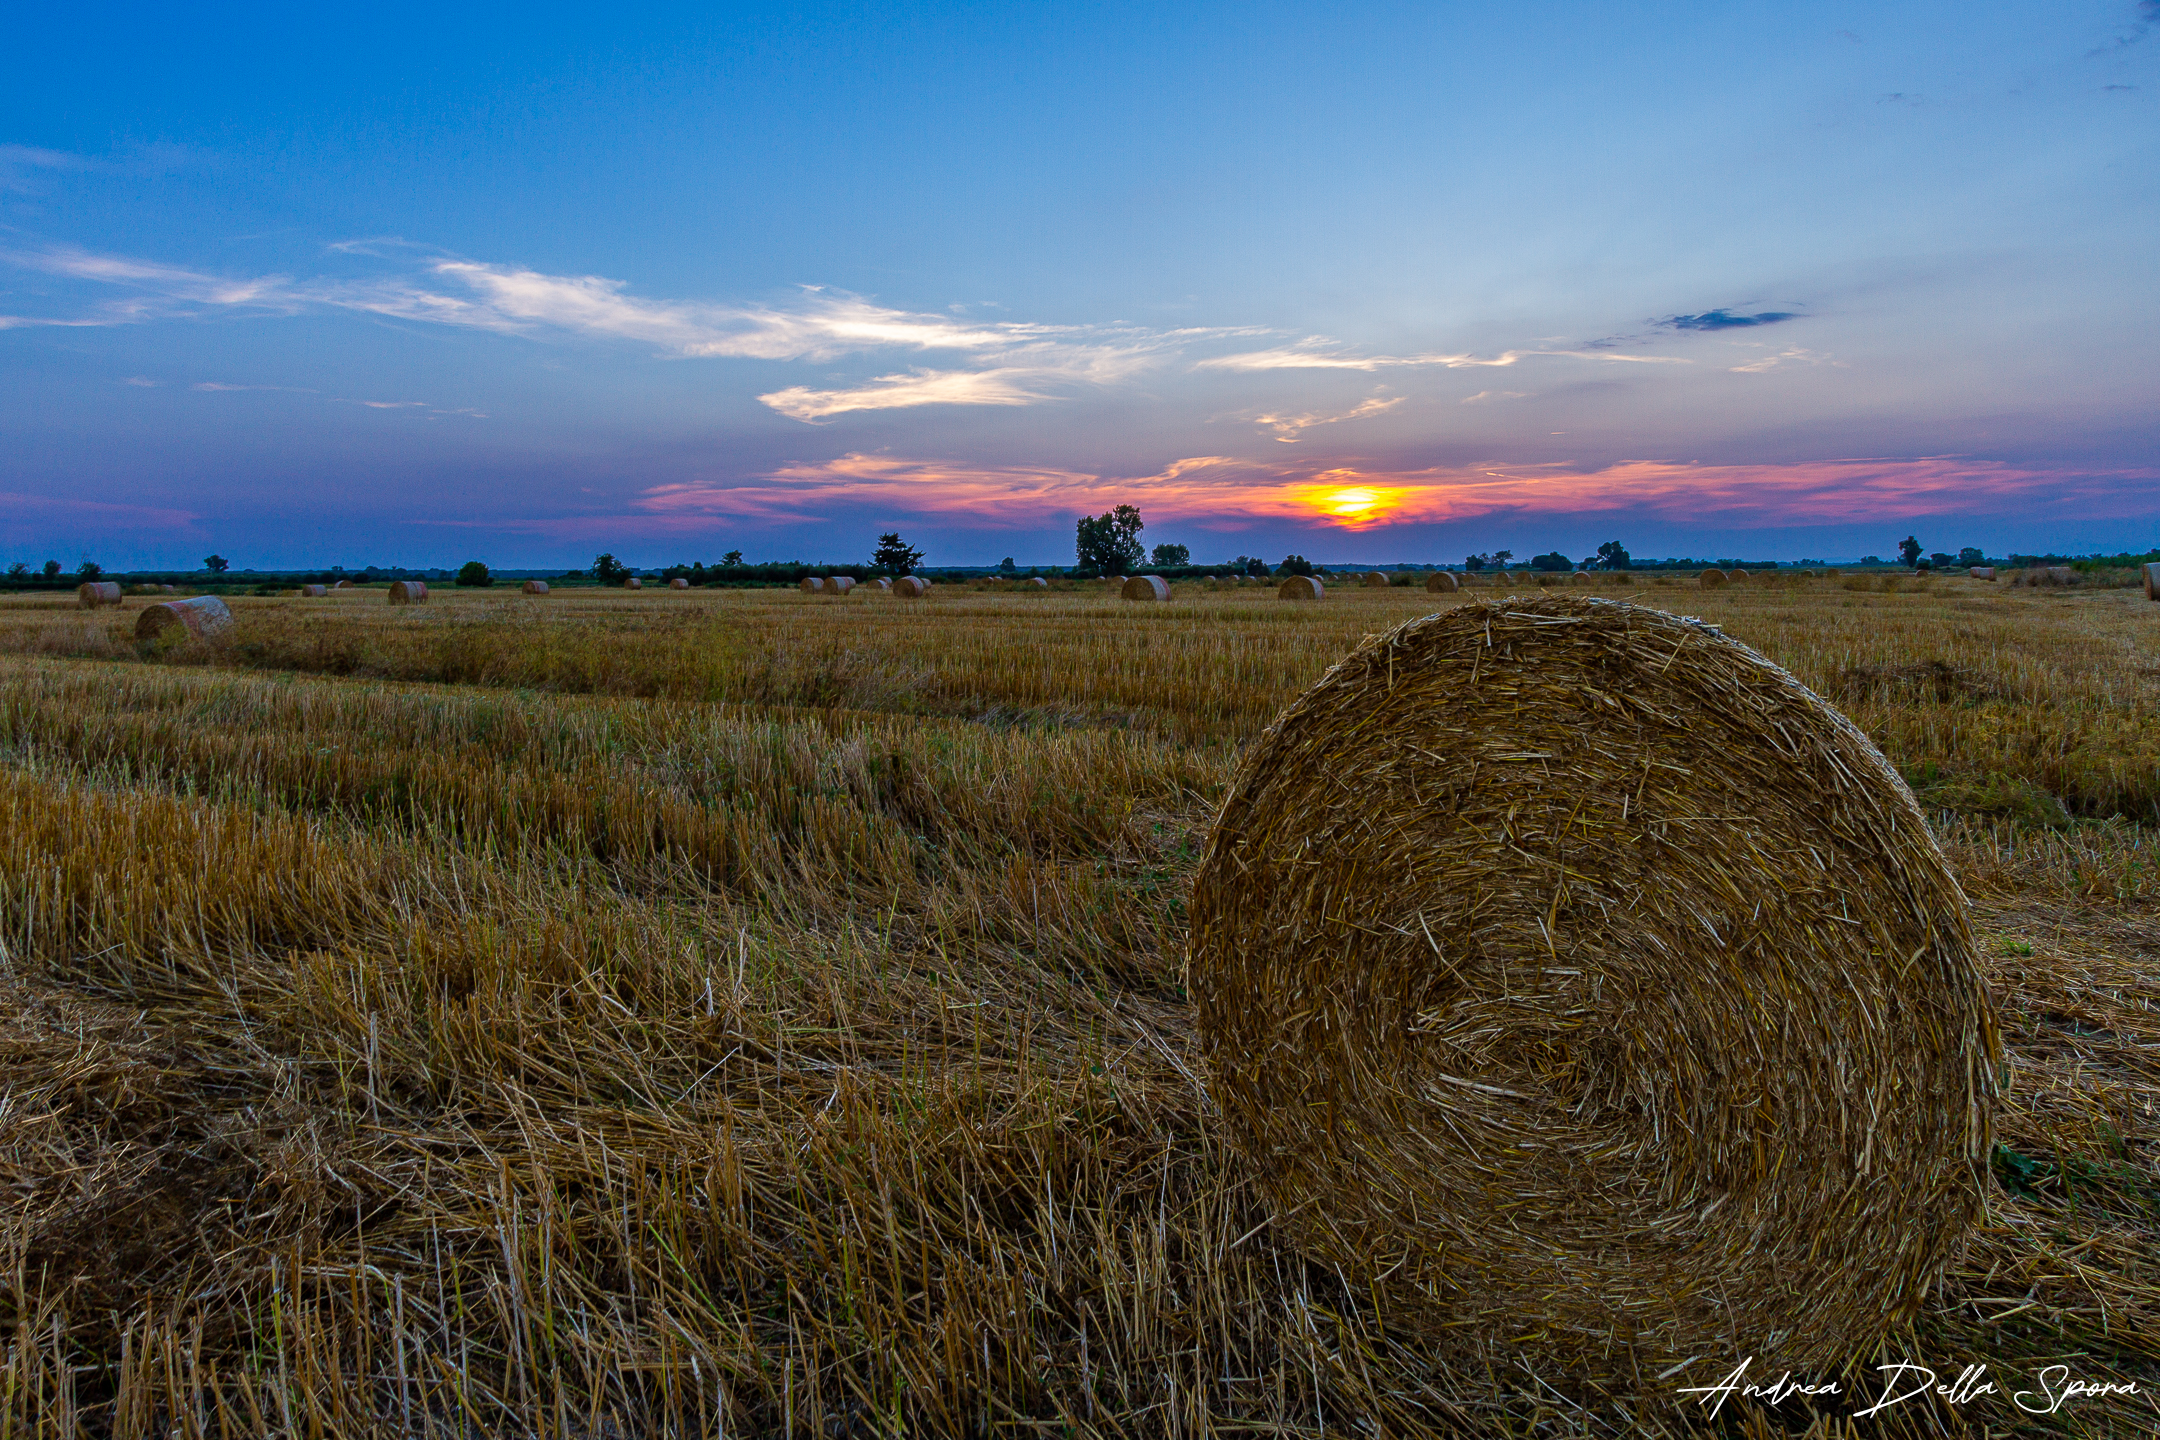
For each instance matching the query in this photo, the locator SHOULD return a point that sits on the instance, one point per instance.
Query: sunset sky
(1366, 282)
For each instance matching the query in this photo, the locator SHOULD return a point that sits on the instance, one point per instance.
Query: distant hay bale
(678, 583)
(408, 592)
(881, 585)
(1579, 577)
(634, 583)
(813, 585)
(1987, 572)
(1629, 1029)
(1737, 577)
(1115, 584)
(911, 587)
(1833, 573)
(1039, 583)
(840, 584)
(203, 617)
(93, 594)
(1146, 587)
(1710, 579)
(1376, 579)
(341, 585)
(1441, 582)
(314, 592)
(535, 587)
(1301, 587)
(2061, 575)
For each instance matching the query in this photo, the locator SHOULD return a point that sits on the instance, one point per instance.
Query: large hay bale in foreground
(408, 592)
(1576, 967)
(914, 587)
(1710, 579)
(93, 594)
(1441, 582)
(1146, 587)
(203, 617)
(535, 587)
(1301, 587)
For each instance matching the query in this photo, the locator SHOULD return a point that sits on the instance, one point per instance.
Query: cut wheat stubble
(1580, 972)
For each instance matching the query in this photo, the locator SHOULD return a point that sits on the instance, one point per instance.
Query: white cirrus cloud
(1315, 354)
(1289, 429)
(1486, 397)
(1784, 358)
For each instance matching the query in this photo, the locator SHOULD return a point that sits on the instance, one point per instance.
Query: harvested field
(764, 1015)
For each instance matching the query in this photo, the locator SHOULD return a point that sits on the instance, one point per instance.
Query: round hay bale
(1441, 582)
(1737, 577)
(1579, 577)
(1038, 583)
(92, 594)
(1710, 579)
(634, 583)
(1302, 587)
(1146, 587)
(341, 585)
(2061, 575)
(678, 583)
(408, 592)
(840, 584)
(1987, 572)
(881, 585)
(203, 617)
(1502, 579)
(813, 585)
(1375, 579)
(314, 592)
(911, 587)
(535, 587)
(1580, 969)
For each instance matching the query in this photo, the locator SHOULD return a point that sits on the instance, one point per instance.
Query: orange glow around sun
(1355, 506)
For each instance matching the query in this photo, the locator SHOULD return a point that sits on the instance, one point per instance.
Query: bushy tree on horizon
(1168, 555)
(1908, 550)
(473, 574)
(1109, 544)
(895, 555)
(608, 570)
(215, 564)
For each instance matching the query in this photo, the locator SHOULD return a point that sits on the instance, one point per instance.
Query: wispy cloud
(1290, 429)
(1487, 397)
(1725, 320)
(1319, 353)
(43, 512)
(1784, 358)
(220, 385)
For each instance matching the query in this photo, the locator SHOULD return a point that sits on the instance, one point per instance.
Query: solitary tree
(608, 570)
(1167, 555)
(1110, 543)
(895, 554)
(1612, 555)
(473, 573)
(1908, 550)
(216, 564)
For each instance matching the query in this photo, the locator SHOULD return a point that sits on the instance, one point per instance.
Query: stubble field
(756, 1013)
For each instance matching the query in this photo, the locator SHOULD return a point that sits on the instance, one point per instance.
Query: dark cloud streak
(1725, 320)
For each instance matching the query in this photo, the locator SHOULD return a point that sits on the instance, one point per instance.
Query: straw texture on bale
(1987, 572)
(882, 585)
(1711, 579)
(314, 592)
(1502, 579)
(1737, 577)
(535, 587)
(678, 583)
(813, 585)
(911, 586)
(408, 592)
(840, 584)
(93, 593)
(1301, 587)
(205, 617)
(1146, 587)
(341, 585)
(2152, 581)
(1376, 578)
(1578, 970)
(1441, 582)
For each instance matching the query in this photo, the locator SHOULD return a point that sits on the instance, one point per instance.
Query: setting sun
(1356, 505)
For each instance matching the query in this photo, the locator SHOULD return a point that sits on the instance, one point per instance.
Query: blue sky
(1368, 282)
